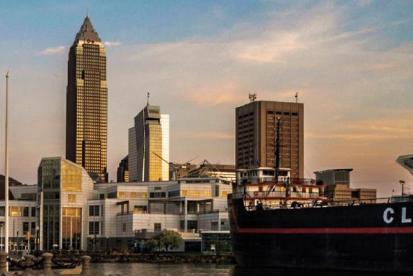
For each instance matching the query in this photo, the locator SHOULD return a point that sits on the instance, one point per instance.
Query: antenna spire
(296, 97)
(252, 97)
(147, 98)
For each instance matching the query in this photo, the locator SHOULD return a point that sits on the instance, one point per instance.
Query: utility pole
(6, 173)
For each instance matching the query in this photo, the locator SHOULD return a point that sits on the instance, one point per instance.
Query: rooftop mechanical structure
(406, 161)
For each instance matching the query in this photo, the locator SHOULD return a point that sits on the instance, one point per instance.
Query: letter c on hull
(388, 215)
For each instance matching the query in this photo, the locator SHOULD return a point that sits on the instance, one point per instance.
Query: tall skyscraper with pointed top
(87, 103)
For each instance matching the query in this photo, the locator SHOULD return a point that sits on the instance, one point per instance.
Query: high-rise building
(256, 134)
(122, 174)
(87, 103)
(149, 146)
(165, 146)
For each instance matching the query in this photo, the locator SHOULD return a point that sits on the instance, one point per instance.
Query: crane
(173, 166)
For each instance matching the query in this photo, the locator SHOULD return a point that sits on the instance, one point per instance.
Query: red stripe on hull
(342, 230)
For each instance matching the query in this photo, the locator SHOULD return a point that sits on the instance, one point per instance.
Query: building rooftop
(87, 32)
(335, 170)
(406, 161)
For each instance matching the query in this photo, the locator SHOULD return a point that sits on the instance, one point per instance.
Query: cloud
(51, 51)
(112, 43)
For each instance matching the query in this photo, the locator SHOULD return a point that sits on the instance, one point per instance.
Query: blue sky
(351, 62)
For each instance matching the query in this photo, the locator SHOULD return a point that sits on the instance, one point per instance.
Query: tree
(167, 240)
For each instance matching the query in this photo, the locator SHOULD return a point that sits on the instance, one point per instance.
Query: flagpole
(6, 174)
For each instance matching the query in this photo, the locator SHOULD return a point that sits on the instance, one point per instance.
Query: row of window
(19, 211)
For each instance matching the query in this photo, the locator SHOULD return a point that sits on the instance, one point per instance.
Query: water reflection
(159, 269)
(141, 269)
(238, 271)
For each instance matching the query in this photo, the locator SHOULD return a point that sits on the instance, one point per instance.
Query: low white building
(23, 216)
(66, 210)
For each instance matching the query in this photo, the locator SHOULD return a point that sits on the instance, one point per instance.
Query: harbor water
(150, 269)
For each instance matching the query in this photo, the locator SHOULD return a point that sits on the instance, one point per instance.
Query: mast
(6, 173)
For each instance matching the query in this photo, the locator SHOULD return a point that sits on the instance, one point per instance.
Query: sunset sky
(350, 61)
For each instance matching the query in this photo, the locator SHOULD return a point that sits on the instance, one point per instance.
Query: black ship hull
(371, 237)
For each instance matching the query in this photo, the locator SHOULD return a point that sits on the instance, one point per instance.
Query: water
(143, 269)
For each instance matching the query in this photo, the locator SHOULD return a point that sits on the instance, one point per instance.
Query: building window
(33, 211)
(94, 211)
(157, 227)
(33, 228)
(71, 198)
(124, 227)
(25, 227)
(25, 211)
(71, 228)
(15, 211)
(192, 225)
(94, 228)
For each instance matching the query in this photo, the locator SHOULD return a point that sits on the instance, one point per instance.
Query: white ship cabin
(259, 186)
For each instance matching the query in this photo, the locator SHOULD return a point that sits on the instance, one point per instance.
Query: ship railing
(324, 203)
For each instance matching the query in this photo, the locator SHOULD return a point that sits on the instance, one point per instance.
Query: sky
(349, 61)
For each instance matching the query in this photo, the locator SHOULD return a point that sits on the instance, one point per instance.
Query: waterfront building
(87, 103)
(256, 132)
(149, 146)
(68, 211)
(122, 174)
(23, 215)
(64, 189)
(135, 211)
(12, 182)
(336, 186)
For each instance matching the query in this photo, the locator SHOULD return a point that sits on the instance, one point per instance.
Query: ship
(280, 222)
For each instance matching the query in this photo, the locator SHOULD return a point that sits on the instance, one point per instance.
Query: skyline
(352, 73)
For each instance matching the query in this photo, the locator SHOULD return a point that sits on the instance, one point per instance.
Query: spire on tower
(87, 32)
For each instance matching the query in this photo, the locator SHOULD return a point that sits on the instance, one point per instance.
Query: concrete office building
(64, 189)
(256, 131)
(87, 103)
(148, 151)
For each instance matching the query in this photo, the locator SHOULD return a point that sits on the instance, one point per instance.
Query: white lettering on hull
(405, 219)
(388, 215)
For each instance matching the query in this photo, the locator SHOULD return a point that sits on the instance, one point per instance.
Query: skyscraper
(87, 104)
(256, 132)
(165, 145)
(148, 145)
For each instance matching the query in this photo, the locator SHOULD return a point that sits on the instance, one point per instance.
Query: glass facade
(49, 185)
(155, 146)
(59, 182)
(71, 228)
(146, 147)
(86, 114)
